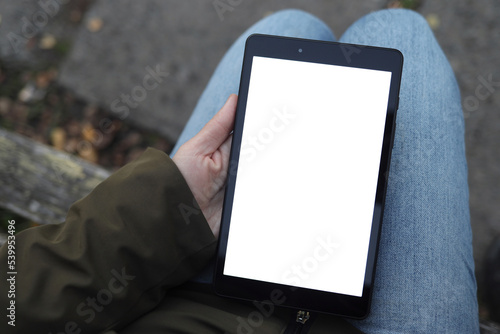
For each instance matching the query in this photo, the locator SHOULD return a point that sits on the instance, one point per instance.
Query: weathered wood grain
(41, 183)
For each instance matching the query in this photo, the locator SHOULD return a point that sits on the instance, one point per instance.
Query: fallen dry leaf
(47, 42)
(94, 24)
(433, 21)
(58, 138)
(89, 133)
(31, 93)
(395, 4)
(43, 79)
(87, 151)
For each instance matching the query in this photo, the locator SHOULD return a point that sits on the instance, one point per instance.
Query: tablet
(308, 173)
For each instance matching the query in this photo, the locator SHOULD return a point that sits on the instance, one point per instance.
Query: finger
(218, 129)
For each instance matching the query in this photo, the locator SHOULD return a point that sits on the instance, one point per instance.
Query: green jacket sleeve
(138, 234)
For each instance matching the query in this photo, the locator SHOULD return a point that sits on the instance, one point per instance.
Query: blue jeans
(425, 280)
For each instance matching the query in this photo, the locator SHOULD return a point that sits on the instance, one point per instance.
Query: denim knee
(400, 23)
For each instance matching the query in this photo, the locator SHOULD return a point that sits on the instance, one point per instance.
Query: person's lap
(425, 272)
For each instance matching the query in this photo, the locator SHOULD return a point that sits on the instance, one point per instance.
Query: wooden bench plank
(39, 182)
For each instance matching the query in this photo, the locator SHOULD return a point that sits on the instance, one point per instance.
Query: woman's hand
(204, 160)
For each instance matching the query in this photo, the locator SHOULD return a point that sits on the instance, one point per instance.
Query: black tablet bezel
(341, 54)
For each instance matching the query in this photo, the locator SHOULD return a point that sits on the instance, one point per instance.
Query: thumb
(218, 129)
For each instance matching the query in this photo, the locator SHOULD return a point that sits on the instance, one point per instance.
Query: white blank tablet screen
(307, 175)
